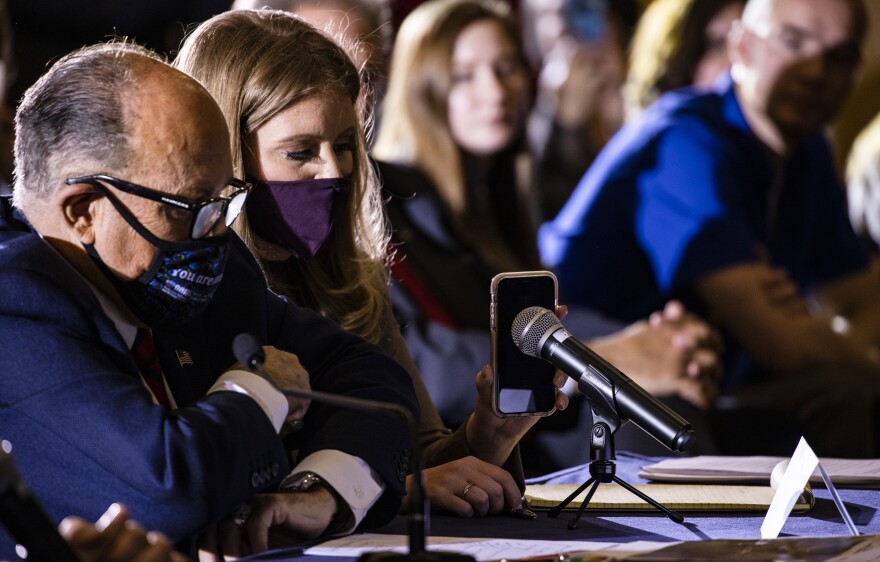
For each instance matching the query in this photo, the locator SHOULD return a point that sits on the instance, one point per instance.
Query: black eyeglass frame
(194, 206)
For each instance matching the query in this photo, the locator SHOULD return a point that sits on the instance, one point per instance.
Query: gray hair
(74, 117)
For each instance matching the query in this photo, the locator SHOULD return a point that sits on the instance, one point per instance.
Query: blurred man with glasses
(729, 200)
(121, 292)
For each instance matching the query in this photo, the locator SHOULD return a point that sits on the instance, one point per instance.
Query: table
(822, 520)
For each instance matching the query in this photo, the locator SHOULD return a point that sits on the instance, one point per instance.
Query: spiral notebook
(678, 497)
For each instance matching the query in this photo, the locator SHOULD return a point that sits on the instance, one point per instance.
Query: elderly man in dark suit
(117, 313)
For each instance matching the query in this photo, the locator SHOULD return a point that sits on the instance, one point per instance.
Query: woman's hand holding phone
(492, 438)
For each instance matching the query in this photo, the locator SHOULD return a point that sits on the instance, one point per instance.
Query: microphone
(248, 351)
(25, 519)
(537, 332)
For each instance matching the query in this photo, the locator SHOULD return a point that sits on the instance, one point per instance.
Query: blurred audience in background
(678, 43)
(863, 187)
(452, 157)
(362, 27)
(728, 198)
(578, 49)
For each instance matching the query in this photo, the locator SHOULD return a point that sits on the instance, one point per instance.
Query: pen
(522, 512)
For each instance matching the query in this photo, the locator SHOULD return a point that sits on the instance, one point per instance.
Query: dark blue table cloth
(822, 520)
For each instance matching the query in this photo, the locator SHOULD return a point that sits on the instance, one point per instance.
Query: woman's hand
(492, 438)
(468, 487)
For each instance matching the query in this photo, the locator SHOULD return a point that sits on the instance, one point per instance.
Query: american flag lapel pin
(183, 358)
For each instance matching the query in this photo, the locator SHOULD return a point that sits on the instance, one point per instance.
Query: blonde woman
(315, 220)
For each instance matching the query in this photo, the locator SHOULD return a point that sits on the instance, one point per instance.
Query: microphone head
(529, 327)
(247, 350)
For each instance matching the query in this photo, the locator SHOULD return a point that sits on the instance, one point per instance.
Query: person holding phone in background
(315, 221)
(578, 51)
(453, 160)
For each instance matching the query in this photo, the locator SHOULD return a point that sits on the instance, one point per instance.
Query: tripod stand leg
(674, 515)
(576, 518)
(554, 511)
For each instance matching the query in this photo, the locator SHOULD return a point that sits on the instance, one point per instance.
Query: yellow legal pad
(678, 497)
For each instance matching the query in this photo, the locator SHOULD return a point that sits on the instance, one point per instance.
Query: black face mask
(181, 279)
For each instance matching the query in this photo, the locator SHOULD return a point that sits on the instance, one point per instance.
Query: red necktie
(147, 361)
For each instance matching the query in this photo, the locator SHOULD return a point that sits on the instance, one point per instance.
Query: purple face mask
(297, 215)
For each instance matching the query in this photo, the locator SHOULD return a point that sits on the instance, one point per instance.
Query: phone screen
(586, 18)
(523, 384)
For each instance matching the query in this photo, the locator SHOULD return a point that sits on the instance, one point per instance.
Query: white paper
(797, 474)
(483, 549)
(757, 469)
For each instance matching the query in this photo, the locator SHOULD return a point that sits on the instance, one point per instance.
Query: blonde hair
(415, 126)
(257, 63)
(863, 181)
(669, 41)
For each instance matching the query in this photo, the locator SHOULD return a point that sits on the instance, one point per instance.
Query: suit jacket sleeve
(439, 444)
(341, 363)
(338, 362)
(84, 429)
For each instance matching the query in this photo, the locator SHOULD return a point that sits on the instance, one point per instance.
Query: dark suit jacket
(86, 433)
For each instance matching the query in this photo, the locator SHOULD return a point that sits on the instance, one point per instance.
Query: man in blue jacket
(117, 315)
(729, 200)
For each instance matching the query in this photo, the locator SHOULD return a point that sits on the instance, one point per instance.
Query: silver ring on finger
(467, 489)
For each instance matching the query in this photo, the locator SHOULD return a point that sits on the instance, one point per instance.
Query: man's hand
(116, 538)
(278, 519)
(286, 371)
(492, 438)
(468, 487)
(674, 353)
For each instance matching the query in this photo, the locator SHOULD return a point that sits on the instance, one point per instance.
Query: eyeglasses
(205, 213)
(800, 44)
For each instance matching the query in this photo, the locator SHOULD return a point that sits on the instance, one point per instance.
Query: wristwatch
(305, 481)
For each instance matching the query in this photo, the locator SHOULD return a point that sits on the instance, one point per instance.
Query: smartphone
(586, 18)
(523, 384)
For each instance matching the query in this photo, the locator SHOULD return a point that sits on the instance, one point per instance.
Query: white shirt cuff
(350, 476)
(272, 402)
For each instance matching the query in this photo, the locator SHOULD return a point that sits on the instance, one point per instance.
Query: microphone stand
(248, 352)
(606, 421)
